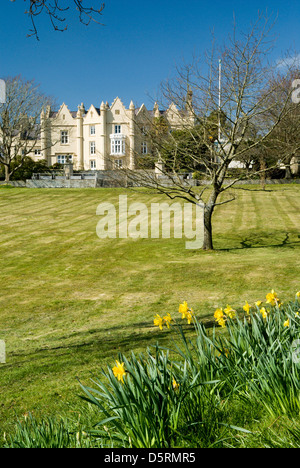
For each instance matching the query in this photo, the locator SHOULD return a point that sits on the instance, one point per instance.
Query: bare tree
(235, 89)
(57, 10)
(20, 122)
(284, 142)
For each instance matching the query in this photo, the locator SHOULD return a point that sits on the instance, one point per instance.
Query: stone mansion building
(102, 138)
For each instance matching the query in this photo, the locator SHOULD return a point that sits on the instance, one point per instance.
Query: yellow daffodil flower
(230, 312)
(219, 314)
(258, 303)
(189, 316)
(247, 308)
(264, 313)
(175, 385)
(222, 323)
(272, 298)
(287, 323)
(158, 321)
(167, 320)
(298, 294)
(183, 309)
(119, 371)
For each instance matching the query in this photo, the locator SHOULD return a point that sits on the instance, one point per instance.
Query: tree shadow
(106, 342)
(259, 242)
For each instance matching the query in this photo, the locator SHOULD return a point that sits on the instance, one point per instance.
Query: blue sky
(138, 47)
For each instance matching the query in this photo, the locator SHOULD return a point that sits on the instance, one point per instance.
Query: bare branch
(57, 13)
(255, 115)
(20, 122)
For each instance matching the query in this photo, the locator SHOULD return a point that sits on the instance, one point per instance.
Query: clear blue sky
(138, 47)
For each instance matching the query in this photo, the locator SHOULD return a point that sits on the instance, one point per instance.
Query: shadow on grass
(107, 343)
(261, 242)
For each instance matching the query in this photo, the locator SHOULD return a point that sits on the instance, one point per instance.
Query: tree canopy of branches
(88, 11)
(230, 123)
(184, 151)
(284, 142)
(20, 123)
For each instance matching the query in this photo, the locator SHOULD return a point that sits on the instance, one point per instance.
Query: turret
(79, 118)
(189, 106)
(45, 146)
(131, 136)
(189, 99)
(156, 111)
(103, 131)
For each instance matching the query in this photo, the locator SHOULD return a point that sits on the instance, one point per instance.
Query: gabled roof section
(172, 109)
(117, 103)
(142, 110)
(64, 111)
(92, 112)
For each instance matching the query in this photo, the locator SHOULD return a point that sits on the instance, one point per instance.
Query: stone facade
(103, 138)
(295, 165)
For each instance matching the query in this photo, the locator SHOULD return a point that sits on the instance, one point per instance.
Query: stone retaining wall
(108, 181)
(61, 183)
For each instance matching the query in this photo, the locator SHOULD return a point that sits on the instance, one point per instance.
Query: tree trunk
(208, 213)
(263, 167)
(7, 174)
(208, 239)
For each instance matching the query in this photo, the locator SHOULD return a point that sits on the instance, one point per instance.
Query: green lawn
(70, 301)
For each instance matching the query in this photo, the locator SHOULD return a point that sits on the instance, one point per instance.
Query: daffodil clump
(161, 321)
(147, 400)
(271, 304)
(140, 399)
(185, 311)
(222, 316)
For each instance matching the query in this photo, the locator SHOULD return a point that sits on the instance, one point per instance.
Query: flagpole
(220, 90)
(2, 92)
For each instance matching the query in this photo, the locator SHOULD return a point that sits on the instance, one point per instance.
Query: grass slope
(70, 302)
